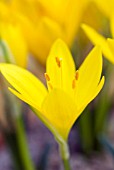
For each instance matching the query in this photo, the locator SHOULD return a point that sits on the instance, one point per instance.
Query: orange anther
(58, 60)
(47, 77)
(77, 75)
(50, 85)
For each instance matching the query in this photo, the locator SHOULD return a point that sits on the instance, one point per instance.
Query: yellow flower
(107, 45)
(42, 22)
(12, 35)
(69, 15)
(106, 6)
(69, 91)
(53, 24)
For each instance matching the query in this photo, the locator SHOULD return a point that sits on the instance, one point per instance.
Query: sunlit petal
(90, 97)
(98, 39)
(60, 110)
(89, 76)
(24, 82)
(26, 99)
(60, 76)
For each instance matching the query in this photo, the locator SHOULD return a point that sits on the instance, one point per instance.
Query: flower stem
(64, 151)
(66, 164)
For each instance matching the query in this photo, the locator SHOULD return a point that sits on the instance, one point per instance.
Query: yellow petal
(92, 96)
(106, 6)
(13, 37)
(72, 19)
(28, 30)
(25, 99)
(52, 7)
(4, 11)
(26, 7)
(98, 39)
(46, 33)
(39, 36)
(60, 77)
(68, 21)
(59, 109)
(89, 76)
(25, 83)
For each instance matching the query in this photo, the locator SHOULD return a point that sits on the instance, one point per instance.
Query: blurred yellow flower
(107, 45)
(69, 91)
(106, 6)
(12, 35)
(44, 21)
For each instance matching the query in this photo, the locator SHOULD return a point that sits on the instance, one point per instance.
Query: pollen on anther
(47, 77)
(58, 61)
(77, 75)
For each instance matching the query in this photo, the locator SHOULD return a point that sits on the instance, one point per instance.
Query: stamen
(58, 60)
(74, 84)
(47, 77)
(50, 85)
(77, 75)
